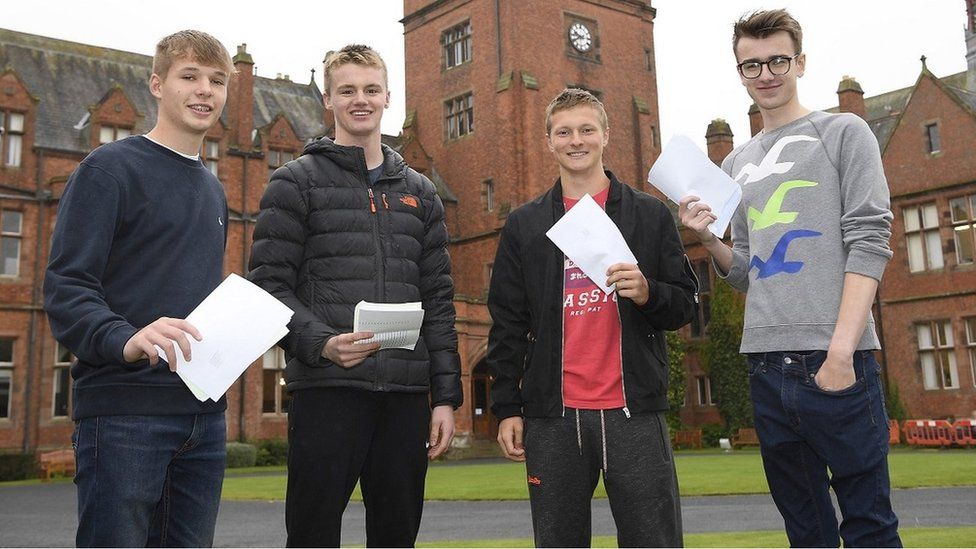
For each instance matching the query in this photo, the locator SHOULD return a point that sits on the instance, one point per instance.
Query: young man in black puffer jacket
(345, 222)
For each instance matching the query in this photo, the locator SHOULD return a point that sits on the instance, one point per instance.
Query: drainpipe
(41, 197)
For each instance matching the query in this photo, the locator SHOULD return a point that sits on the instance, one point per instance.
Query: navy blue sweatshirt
(140, 234)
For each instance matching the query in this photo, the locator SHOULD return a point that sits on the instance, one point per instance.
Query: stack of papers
(591, 240)
(394, 325)
(239, 322)
(683, 170)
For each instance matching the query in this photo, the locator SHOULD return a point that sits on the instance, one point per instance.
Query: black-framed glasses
(777, 65)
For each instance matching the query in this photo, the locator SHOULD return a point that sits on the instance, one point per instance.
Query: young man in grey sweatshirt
(809, 246)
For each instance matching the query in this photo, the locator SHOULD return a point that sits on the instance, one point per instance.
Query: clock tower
(479, 75)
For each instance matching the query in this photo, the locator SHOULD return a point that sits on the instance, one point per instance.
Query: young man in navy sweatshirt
(139, 243)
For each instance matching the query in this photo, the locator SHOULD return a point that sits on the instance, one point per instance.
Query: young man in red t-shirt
(582, 387)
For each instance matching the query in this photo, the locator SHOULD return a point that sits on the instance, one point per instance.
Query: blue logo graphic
(777, 260)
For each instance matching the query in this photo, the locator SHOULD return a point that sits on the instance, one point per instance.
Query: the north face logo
(409, 201)
(535, 481)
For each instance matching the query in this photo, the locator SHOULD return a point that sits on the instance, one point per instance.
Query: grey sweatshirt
(814, 206)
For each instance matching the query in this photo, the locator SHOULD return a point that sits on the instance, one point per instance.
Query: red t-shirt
(591, 338)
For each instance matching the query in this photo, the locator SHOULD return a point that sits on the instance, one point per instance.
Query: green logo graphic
(771, 214)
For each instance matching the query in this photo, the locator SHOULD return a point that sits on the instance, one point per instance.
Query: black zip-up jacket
(526, 297)
(326, 239)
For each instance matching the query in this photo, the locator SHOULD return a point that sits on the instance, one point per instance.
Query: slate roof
(276, 96)
(69, 78)
(882, 111)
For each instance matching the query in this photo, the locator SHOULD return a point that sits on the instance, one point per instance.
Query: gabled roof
(300, 103)
(883, 111)
(68, 78)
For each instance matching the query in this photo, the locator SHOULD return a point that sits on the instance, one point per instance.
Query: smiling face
(357, 96)
(771, 92)
(577, 139)
(191, 96)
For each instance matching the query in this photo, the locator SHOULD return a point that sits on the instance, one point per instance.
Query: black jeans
(337, 436)
(805, 431)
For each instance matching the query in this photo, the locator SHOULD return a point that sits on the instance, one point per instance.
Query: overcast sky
(879, 42)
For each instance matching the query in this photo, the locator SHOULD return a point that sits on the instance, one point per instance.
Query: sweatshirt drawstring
(603, 439)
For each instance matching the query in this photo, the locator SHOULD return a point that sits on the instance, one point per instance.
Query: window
(971, 343)
(6, 374)
(11, 138)
(107, 134)
(61, 403)
(963, 211)
(11, 229)
(704, 313)
(649, 59)
(704, 391)
(934, 139)
(922, 237)
(275, 397)
(456, 43)
(936, 355)
(488, 193)
(211, 153)
(278, 158)
(459, 115)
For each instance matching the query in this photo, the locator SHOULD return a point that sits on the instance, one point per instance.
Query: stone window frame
(922, 227)
(8, 235)
(456, 45)
(61, 379)
(935, 339)
(10, 133)
(459, 116)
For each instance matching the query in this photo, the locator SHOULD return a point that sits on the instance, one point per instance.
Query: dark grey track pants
(564, 458)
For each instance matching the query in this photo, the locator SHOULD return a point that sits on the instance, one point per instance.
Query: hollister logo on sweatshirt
(409, 201)
(770, 164)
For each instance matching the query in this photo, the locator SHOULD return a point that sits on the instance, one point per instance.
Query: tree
(676, 379)
(726, 368)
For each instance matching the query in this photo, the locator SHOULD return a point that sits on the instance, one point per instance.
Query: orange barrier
(928, 432)
(894, 433)
(965, 432)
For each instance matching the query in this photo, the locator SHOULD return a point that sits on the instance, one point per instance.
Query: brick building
(926, 306)
(477, 86)
(58, 101)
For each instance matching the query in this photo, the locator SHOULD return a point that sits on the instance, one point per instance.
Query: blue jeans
(149, 481)
(804, 431)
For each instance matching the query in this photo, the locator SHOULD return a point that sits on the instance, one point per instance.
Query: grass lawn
(912, 537)
(700, 473)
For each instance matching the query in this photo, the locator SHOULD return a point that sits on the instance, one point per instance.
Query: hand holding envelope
(683, 170)
(590, 239)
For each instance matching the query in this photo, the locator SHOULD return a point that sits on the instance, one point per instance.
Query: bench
(745, 437)
(57, 462)
(691, 438)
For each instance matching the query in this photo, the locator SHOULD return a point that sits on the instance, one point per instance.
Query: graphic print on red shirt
(591, 338)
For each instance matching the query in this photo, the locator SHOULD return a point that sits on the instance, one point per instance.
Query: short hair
(574, 97)
(760, 24)
(356, 54)
(190, 44)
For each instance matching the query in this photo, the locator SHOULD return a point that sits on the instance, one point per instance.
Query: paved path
(44, 516)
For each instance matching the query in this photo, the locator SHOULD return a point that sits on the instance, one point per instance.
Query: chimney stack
(719, 140)
(850, 97)
(755, 119)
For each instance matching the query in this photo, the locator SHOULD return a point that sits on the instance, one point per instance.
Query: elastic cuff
(866, 263)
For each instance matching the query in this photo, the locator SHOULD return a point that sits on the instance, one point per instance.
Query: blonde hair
(190, 44)
(356, 54)
(574, 97)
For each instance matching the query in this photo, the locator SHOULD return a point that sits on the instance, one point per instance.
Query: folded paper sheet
(394, 325)
(590, 239)
(239, 322)
(683, 169)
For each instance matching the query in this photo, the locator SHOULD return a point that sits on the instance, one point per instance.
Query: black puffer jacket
(326, 239)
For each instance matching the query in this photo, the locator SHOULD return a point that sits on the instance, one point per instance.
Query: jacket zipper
(620, 342)
(694, 277)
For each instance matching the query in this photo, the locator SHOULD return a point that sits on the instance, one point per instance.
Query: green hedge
(272, 452)
(17, 466)
(240, 454)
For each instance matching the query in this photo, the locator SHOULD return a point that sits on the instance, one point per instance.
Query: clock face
(580, 37)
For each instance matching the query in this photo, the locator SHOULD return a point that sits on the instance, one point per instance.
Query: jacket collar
(350, 158)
